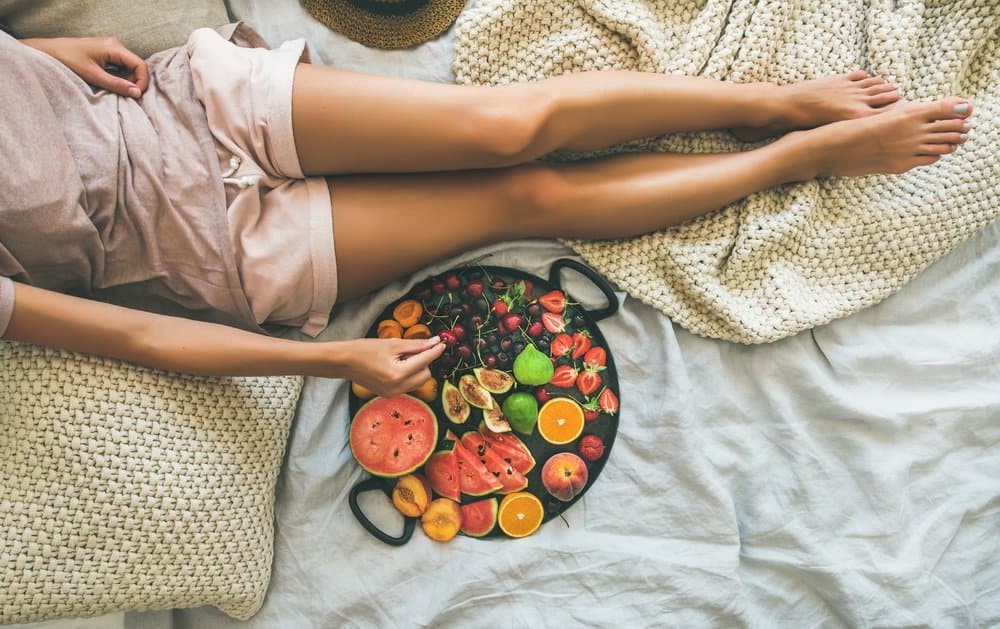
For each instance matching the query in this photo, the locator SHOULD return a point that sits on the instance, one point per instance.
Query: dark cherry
(511, 321)
(536, 329)
(498, 284)
(482, 344)
(579, 322)
(456, 312)
(475, 288)
(476, 321)
(534, 311)
(506, 343)
(503, 359)
(459, 332)
(542, 395)
(452, 282)
(518, 348)
(490, 361)
(492, 338)
(543, 344)
(449, 337)
(465, 352)
(466, 308)
(437, 287)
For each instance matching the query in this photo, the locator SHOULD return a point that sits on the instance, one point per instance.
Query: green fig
(532, 367)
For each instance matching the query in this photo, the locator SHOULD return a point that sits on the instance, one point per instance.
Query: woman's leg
(356, 123)
(387, 226)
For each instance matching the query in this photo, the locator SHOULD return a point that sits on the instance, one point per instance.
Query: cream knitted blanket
(790, 258)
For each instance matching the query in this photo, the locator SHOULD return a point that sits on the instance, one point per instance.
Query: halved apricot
(408, 312)
(441, 520)
(419, 331)
(427, 392)
(390, 329)
(362, 392)
(411, 495)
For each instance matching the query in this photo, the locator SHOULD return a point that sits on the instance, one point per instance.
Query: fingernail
(436, 339)
(134, 92)
(962, 109)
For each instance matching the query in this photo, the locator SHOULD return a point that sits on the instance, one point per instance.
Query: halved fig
(494, 380)
(455, 407)
(473, 393)
(494, 419)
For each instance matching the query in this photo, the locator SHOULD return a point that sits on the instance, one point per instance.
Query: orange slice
(520, 514)
(560, 420)
(408, 312)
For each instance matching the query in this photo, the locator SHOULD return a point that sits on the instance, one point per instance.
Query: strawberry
(591, 411)
(535, 329)
(500, 307)
(608, 401)
(561, 345)
(588, 382)
(553, 301)
(581, 344)
(564, 377)
(553, 322)
(591, 447)
(595, 358)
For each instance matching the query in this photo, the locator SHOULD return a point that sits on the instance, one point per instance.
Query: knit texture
(125, 488)
(790, 258)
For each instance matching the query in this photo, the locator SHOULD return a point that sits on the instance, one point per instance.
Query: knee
(512, 130)
(536, 195)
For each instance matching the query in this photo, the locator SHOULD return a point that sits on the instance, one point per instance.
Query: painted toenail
(962, 109)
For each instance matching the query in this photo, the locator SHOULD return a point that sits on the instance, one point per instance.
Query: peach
(442, 520)
(411, 495)
(564, 476)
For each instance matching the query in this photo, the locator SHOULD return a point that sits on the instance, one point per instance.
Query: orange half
(560, 420)
(520, 514)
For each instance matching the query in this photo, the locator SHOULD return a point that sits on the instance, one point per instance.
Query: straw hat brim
(386, 31)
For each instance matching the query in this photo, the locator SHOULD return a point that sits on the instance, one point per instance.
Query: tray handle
(555, 278)
(371, 484)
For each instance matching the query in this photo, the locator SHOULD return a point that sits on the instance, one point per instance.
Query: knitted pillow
(125, 488)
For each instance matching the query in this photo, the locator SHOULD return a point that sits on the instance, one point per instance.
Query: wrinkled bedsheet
(846, 476)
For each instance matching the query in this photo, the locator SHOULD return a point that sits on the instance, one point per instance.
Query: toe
(875, 80)
(925, 160)
(935, 149)
(947, 138)
(881, 87)
(883, 99)
(952, 125)
(857, 75)
(950, 108)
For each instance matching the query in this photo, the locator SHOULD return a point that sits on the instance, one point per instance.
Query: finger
(417, 379)
(99, 77)
(133, 63)
(413, 347)
(423, 359)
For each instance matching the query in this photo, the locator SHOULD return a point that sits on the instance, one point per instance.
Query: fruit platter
(517, 419)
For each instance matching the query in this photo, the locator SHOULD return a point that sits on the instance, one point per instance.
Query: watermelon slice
(442, 472)
(479, 518)
(473, 477)
(511, 479)
(510, 448)
(391, 437)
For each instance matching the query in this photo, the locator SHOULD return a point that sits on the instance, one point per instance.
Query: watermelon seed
(395, 452)
(407, 422)
(395, 414)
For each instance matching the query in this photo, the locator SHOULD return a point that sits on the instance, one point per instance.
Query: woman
(218, 181)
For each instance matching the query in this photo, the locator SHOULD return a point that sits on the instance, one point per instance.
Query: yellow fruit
(389, 329)
(441, 520)
(411, 495)
(560, 420)
(520, 514)
(361, 392)
(408, 312)
(427, 391)
(419, 331)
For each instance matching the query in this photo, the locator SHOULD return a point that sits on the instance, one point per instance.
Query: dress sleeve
(6, 303)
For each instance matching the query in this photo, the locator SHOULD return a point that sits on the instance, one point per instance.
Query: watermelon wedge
(473, 477)
(479, 518)
(510, 478)
(510, 448)
(441, 471)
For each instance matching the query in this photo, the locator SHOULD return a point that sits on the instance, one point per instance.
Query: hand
(88, 57)
(392, 366)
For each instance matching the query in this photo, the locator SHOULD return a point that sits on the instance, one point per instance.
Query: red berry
(535, 329)
(476, 321)
(452, 281)
(591, 447)
(511, 321)
(542, 395)
(553, 301)
(500, 307)
(459, 332)
(475, 288)
(596, 357)
(608, 401)
(490, 361)
(590, 414)
(564, 377)
(561, 345)
(581, 345)
(448, 337)
(437, 287)
(498, 284)
(465, 352)
(553, 322)
(588, 382)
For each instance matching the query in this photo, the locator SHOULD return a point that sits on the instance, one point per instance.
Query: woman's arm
(90, 56)
(388, 367)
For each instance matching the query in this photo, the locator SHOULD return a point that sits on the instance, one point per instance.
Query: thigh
(388, 226)
(346, 122)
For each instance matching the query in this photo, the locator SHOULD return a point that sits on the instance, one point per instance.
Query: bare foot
(901, 138)
(809, 104)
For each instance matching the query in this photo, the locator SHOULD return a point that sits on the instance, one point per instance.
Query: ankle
(767, 105)
(799, 157)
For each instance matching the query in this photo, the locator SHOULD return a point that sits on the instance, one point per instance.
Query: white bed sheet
(848, 476)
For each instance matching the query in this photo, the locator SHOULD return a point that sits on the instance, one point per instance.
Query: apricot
(390, 329)
(427, 391)
(408, 312)
(419, 331)
(411, 495)
(362, 392)
(442, 520)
